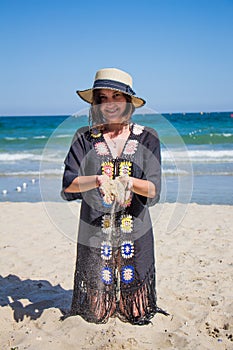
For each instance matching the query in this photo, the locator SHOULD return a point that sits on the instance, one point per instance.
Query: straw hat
(113, 79)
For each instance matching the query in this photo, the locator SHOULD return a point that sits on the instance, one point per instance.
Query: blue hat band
(112, 84)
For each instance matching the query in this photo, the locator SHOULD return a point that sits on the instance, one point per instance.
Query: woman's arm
(82, 184)
(139, 186)
(142, 187)
(85, 183)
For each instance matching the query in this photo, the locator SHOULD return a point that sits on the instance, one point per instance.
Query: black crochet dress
(115, 267)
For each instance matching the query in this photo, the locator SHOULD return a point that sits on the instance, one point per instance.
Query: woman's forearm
(143, 187)
(83, 184)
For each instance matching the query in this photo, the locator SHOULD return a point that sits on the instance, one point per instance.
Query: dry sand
(194, 284)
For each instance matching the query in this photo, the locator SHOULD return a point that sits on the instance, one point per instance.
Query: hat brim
(87, 96)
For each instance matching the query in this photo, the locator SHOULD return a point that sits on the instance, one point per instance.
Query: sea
(197, 155)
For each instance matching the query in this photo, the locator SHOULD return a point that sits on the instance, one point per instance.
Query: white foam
(174, 172)
(10, 157)
(40, 137)
(49, 172)
(227, 135)
(204, 156)
(63, 136)
(8, 138)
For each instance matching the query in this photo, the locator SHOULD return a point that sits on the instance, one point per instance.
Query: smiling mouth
(112, 111)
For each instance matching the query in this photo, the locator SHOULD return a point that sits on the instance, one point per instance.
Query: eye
(102, 98)
(117, 95)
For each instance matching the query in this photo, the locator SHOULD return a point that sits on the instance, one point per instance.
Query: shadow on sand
(38, 295)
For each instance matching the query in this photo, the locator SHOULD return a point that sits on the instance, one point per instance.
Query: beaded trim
(106, 250)
(106, 275)
(127, 249)
(131, 147)
(126, 224)
(107, 169)
(101, 149)
(125, 168)
(122, 224)
(106, 224)
(138, 129)
(127, 274)
(95, 133)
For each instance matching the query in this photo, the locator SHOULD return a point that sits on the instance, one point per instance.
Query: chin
(114, 120)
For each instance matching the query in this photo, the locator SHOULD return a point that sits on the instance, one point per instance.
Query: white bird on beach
(33, 181)
(4, 192)
(18, 189)
(24, 185)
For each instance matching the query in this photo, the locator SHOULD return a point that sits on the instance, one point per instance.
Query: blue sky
(179, 52)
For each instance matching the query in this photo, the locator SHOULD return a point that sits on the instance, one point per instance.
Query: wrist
(97, 182)
(130, 184)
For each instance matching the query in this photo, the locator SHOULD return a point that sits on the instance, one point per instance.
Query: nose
(110, 100)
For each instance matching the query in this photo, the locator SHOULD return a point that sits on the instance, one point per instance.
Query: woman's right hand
(101, 179)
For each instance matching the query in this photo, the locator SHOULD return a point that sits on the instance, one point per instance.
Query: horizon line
(137, 113)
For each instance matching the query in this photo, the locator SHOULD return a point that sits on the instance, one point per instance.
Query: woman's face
(113, 105)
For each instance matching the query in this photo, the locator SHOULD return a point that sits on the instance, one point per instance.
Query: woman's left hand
(126, 181)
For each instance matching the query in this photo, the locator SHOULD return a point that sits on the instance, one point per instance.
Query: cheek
(101, 107)
(124, 107)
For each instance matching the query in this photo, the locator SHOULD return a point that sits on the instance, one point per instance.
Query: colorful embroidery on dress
(107, 169)
(126, 223)
(127, 202)
(101, 149)
(127, 249)
(125, 168)
(95, 133)
(131, 147)
(138, 129)
(127, 274)
(106, 250)
(107, 204)
(106, 224)
(106, 275)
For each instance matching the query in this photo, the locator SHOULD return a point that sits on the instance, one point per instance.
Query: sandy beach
(194, 284)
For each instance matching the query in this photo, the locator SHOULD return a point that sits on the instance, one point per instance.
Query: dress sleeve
(152, 163)
(74, 164)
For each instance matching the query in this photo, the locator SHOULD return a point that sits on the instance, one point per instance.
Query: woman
(114, 167)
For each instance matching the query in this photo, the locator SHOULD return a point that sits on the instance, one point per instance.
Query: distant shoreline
(135, 113)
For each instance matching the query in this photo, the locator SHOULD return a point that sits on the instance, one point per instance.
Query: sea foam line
(168, 155)
(165, 172)
(205, 156)
(46, 172)
(9, 157)
(13, 157)
(36, 137)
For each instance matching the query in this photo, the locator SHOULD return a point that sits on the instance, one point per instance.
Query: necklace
(118, 140)
(114, 143)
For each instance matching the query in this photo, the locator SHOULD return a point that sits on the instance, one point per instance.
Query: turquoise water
(197, 150)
